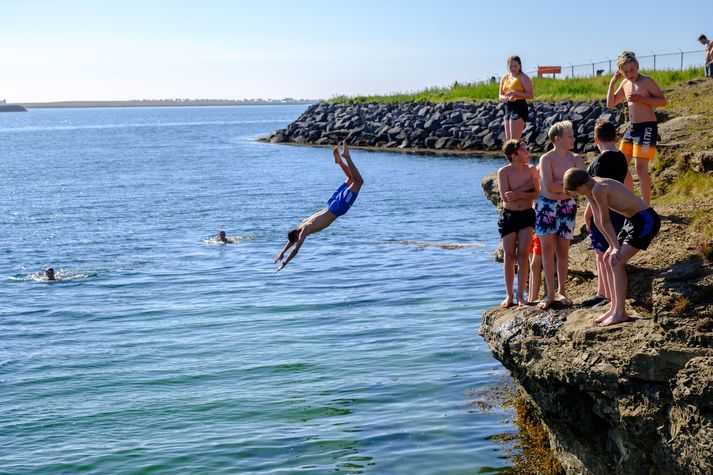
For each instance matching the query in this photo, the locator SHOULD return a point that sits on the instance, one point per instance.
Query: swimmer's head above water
(49, 273)
(222, 237)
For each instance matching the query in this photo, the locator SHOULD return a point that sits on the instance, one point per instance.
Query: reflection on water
(446, 246)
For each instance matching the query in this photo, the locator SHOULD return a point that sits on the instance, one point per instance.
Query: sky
(55, 50)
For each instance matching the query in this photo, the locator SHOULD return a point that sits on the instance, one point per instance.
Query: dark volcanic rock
(466, 126)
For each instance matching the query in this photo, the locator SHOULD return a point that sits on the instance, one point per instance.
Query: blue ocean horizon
(160, 351)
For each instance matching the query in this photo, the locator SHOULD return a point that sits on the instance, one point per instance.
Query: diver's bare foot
(614, 319)
(562, 299)
(337, 158)
(345, 150)
(545, 303)
(521, 302)
(507, 302)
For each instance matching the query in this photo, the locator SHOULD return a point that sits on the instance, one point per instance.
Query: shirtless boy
(338, 204)
(642, 95)
(640, 227)
(556, 212)
(519, 186)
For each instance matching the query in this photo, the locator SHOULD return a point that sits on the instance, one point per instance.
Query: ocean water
(159, 351)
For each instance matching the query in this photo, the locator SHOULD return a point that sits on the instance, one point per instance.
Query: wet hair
(605, 131)
(49, 269)
(558, 129)
(574, 178)
(221, 234)
(517, 60)
(510, 148)
(702, 37)
(293, 235)
(626, 57)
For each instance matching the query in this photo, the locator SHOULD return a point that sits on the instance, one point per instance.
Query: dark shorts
(599, 242)
(640, 229)
(639, 141)
(514, 221)
(341, 200)
(516, 110)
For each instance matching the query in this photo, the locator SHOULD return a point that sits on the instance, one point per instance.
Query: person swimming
(222, 237)
(49, 274)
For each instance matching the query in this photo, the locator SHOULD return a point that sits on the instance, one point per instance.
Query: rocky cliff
(12, 108)
(463, 127)
(634, 398)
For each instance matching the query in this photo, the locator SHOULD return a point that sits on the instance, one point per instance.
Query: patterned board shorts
(555, 217)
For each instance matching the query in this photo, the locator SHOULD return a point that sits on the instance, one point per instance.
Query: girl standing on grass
(515, 88)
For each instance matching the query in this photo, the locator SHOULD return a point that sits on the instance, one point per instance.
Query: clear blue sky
(109, 49)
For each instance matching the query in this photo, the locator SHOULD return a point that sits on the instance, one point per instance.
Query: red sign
(548, 70)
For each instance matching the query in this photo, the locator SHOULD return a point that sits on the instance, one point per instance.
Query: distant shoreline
(161, 103)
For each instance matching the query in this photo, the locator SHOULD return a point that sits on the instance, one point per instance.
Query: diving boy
(556, 211)
(519, 186)
(642, 95)
(640, 227)
(337, 205)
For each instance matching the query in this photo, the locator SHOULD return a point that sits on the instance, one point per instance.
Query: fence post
(610, 66)
(593, 73)
(681, 60)
(654, 62)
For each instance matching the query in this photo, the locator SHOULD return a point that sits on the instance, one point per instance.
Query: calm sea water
(161, 352)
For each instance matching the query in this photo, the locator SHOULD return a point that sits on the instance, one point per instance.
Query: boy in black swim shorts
(640, 227)
(518, 186)
(642, 95)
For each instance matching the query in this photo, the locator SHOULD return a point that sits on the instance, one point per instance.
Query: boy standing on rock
(642, 95)
(340, 202)
(518, 186)
(640, 227)
(556, 212)
(610, 163)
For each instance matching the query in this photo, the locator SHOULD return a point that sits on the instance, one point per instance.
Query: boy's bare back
(611, 194)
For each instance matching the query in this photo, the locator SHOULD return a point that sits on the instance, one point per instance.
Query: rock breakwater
(455, 126)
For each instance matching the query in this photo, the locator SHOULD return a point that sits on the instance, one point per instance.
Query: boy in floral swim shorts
(556, 211)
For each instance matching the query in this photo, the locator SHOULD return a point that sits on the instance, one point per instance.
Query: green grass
(546, 89)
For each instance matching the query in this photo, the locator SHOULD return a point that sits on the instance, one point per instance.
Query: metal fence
(652, 62)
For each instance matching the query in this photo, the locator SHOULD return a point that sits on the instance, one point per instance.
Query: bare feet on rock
(545, 303)
(507, 303)
(562, 299)
(614, 319)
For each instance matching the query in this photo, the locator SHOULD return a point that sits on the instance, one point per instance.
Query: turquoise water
(159, 351)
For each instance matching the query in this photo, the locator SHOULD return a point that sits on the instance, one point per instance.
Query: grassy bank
(546, 89)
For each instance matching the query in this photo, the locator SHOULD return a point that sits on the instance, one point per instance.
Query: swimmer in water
(338, 204)
(222, 237)
(49, 274)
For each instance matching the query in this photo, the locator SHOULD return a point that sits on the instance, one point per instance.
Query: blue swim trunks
(341, 200)
(599, 242)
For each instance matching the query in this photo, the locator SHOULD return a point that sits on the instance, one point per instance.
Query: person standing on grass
(709, 55)
(518, 185)
(642, 95)
(515, 88)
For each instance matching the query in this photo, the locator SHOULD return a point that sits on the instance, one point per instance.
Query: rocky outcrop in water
(636, 398)
(440, 127)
